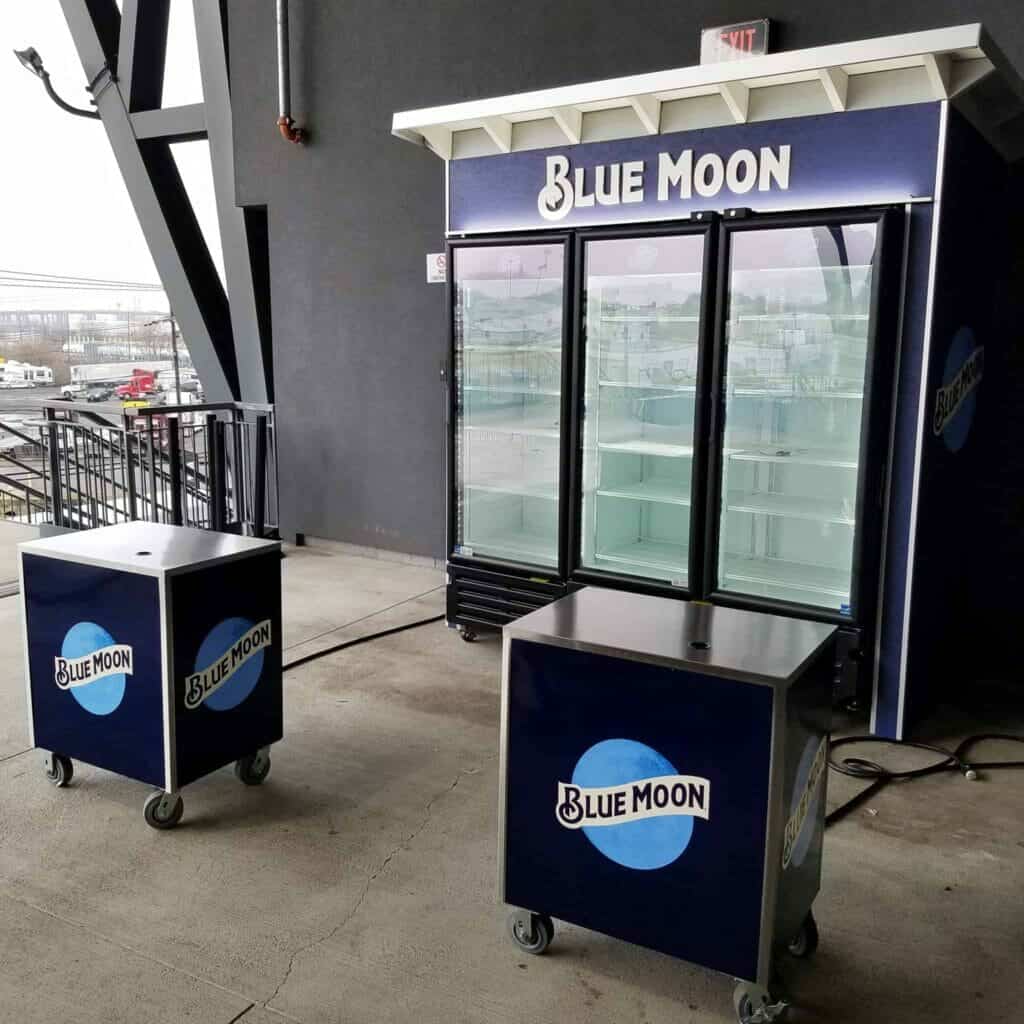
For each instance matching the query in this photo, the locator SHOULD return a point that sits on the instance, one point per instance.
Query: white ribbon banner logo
(680, 795)
(107, 661)
(799, 815)
(201, 685)
(949, 399)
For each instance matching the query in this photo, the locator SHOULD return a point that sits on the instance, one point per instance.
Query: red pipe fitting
(289, 131)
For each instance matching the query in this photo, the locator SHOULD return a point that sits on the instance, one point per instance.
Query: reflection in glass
(642, 338)
(508, 323)
(799, 309)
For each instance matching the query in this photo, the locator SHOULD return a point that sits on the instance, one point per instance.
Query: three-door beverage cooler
(726, 332)
(676, 409)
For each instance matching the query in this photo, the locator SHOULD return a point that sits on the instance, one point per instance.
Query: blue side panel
(95, 666)
(227, 663)
(858, 158)
(904, 455)
(971, 257)
(686, 884)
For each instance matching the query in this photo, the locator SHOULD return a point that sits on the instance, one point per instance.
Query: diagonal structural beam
(254, 377)
(142, 52)
(173, 238)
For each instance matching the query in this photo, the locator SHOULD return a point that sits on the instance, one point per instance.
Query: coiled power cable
(956, 760)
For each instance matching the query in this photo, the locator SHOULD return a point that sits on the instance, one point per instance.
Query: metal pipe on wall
(285, 123)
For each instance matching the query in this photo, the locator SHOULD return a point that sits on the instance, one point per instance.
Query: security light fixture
(31, 60)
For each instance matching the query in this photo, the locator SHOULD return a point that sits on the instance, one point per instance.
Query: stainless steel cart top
(151, 549)
(750, 646)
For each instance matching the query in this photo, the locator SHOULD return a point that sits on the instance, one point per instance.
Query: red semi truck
(141, 384)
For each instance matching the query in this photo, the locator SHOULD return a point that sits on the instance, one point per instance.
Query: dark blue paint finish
(212, 735)
(704, 906)
(861, 157)
(971, 254)
(904, 458)
(808, 722)
(59, 594)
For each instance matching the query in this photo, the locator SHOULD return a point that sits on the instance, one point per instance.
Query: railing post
(174, 455)
(211, 468)
(221, 490)
(133, 498)
(259, 483)
(58, 511)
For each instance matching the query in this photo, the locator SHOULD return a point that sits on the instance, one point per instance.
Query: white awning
(959, 63)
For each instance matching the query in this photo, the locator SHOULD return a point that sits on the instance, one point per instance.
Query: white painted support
(836, 83)
(648, 109)
(737, 99)
(940, 72)
(239, 284)
(116, 122)
(570, 121)
(439, 139)
(500, 131)
(176, 124)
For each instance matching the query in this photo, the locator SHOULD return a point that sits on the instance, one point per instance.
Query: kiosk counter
(663, 779)
(153, 651)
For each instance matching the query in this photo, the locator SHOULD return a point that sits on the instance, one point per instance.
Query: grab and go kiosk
(724, 333)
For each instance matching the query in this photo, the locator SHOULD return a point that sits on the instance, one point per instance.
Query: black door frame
(875, 419)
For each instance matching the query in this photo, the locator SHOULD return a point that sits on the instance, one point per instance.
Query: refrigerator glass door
(508, 327)
(798, 318)
(641, 330)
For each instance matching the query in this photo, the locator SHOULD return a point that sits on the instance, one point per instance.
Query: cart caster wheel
(754, 1005)
(163, 810)
(532, 933)
(805, 942)
(468, 635)
(60, 770)
(253, 768)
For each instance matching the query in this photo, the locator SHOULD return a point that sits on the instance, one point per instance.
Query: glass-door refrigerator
(731, 440)
(642, 328)
(805, 339)
(508, 393)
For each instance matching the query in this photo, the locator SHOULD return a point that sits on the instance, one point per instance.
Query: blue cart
(663, 778)
(155, 652)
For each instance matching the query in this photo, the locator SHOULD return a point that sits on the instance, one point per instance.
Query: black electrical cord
(360, 640)
(880, 776)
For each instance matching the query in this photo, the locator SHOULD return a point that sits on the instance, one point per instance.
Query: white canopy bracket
(940, 73)
(500, 131)
(570, 121)
(648, 109)
(836, 83)
(737, 99)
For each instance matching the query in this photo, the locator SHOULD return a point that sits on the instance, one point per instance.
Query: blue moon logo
(104, 695)
(641, 845)
(215, 646)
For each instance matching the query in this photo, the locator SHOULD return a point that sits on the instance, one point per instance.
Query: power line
(32, 275)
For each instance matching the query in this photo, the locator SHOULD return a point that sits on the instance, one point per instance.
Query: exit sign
(734, 42)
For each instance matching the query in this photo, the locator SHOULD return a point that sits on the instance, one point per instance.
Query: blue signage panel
(857, 158)
(95, 665)
(227, 663)
(637, 802)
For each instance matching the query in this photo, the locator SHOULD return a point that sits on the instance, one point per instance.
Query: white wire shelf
(668, 559)
(668, 492)
(819, 510)
(767, 574)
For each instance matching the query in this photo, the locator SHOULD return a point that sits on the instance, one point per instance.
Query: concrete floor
(357, 885)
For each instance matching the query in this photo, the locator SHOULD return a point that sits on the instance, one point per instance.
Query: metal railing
(210, 466)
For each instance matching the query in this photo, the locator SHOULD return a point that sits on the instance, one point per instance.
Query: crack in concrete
(11, 757)
(370, 879)
(235, 1020)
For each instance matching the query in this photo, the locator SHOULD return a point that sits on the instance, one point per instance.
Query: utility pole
(174, 356)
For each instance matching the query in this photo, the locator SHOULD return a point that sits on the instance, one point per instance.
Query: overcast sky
(63, 206)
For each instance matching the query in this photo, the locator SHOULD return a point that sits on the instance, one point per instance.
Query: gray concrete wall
(358, 334)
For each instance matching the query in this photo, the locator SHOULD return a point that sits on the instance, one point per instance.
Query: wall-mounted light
(31, 60)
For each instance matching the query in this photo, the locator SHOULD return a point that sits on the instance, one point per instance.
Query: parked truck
(111, 374)
(141, 384)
